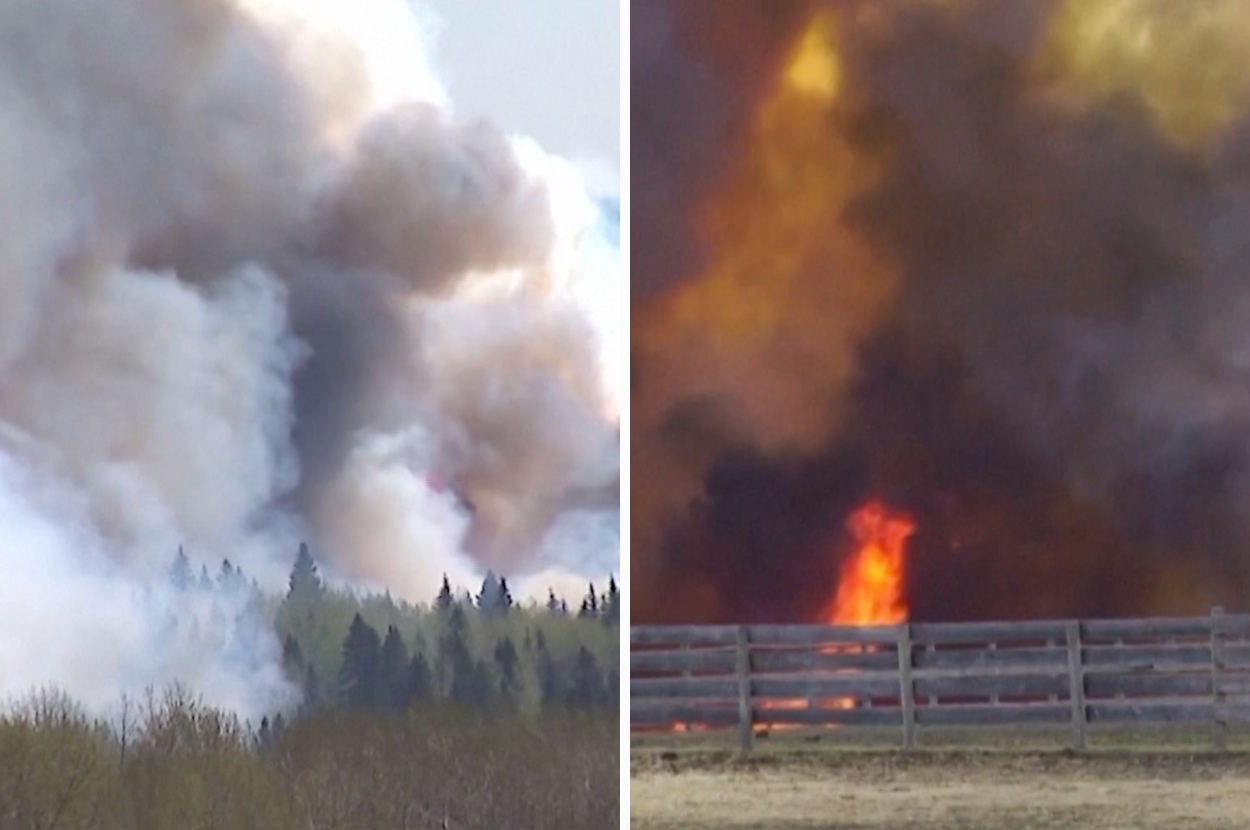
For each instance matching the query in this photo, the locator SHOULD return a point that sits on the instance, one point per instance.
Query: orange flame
(870, 589)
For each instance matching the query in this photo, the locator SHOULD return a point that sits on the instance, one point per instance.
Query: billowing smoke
(984, 260)
(258, 285)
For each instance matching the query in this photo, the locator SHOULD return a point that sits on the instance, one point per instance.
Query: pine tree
(305, 582)
(590, 605)
(553, 604)
(587, 688)
(180, 575)
(394, 667)
(312, 689)
(487, 600)
(505, 602)
(419, 681)
(360, 676)
(506, 658)
(445, 600)
(292, 657)
(206, 582)
(612, 604)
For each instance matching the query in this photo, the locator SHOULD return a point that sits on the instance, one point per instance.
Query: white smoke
(258, 285)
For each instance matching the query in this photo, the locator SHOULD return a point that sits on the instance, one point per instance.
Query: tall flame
(870, 589)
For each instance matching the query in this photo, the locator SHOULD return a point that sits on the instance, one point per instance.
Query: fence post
(1219, 726)
(907, 697)
(1076, 684)
(746, 729)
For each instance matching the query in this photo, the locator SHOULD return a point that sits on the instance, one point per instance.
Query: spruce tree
(487, 600)
(505, 602)
(360, 676)
(419, 682)
(305, 582)
(553, 604)
(506, 658)
(206, 582)
(612, 604)
(394, 667)
(586, 691)
(180, 575)
(445, 600)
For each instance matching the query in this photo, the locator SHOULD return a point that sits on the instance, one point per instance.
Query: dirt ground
(949, 790)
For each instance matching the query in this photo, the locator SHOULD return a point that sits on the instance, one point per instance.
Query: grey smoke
(257, 284)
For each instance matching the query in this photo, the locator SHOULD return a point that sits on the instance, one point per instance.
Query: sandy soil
(942, 791)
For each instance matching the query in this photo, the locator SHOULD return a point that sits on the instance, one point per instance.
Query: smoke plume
(984, 260)
(259, 284)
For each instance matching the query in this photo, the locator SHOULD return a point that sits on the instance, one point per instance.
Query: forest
(474, 711)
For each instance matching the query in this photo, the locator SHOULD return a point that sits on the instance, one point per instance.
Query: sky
(549, 69)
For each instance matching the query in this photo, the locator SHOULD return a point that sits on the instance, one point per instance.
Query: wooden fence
(1148, 671)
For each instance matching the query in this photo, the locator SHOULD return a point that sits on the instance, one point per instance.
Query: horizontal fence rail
(1192, 670)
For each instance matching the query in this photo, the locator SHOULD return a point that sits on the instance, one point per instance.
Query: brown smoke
(985, 260)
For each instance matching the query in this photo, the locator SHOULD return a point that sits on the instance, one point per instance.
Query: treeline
(169, 762)
(483, 651)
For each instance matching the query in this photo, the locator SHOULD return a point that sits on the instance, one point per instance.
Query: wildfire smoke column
(259, 283)
(979, 261)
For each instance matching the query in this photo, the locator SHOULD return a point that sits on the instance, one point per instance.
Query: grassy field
(1013, 779)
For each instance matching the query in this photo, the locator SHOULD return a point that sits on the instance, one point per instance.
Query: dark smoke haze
(1027, 322)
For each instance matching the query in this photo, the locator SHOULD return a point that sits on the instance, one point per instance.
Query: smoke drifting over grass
(258, 285)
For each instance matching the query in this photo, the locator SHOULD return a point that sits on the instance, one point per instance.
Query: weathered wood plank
(1005, 659)
(907, 687)
(661, 714)
(1096, 631)
(798, 635)
(1001, 685)
(1149, 712)
(682, 687)
(861, 685)
(1001, 633)
(675, 635)
(1148, 657)
(1003, 714)
(1147, 684)
(742, 683)
(778, 661)
(694, 660)
(877, 716)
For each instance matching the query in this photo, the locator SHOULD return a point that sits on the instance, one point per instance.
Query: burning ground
(980, 265)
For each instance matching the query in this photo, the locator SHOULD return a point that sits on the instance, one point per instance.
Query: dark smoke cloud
(1059, 394)
(697, 70)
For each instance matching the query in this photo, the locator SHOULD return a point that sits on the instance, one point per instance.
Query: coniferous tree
(394, 667)
(206, 582)
(312, 688)
(180, 575)
(305, 582)
(505, 602)
(360, 675)
(292, 657)
(590, 605)
(454, 657)
(612, 604)
(506, 658)
(586, 690)
(553, 604)
(487, 600)
(419, 682)
(445, 600)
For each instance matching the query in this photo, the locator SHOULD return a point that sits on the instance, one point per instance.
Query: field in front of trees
(473, 711)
